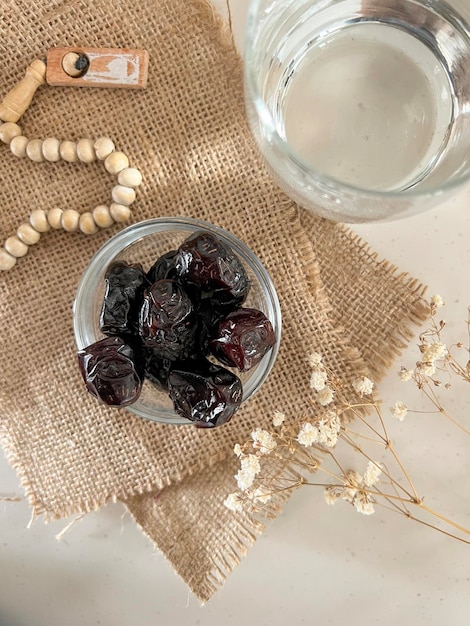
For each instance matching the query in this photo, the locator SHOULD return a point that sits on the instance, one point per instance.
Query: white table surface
(315, 564)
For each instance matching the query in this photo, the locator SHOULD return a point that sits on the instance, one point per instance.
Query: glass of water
(361, 108)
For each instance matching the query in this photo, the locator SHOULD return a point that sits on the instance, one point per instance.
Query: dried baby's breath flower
(317, 430)
(363, 503)
(400, 411)
(332, 495)
(363, 386)
(261, 495)
(250, 467)
(318, 379)
(244, 479)
(354, 478)
(329, 428)
(308, 435)
(437, 302)
(348, 494)
(354, 482)
(325, 396)
(314, 359)
(233, 502)
(405, 374)
(250, 463)
(433, 352)
(427, 369)
(372, 474)
(263, 441)
(278, 418)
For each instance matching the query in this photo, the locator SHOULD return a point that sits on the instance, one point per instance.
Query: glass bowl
(143, 243)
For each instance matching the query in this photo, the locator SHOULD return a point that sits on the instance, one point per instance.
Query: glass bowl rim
(91, 278)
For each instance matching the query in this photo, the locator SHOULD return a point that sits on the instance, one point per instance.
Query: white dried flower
(363, 386)
(328, 429)
(238, 450)
(250, 467)
(400, 411)
(314, 359)
(427, 369)
(233, 502)
(263, 441)
(372, 474)
(348, 494)
(308, 435)
(318, 379)
(278, 418)
(244, 479)
(405, 374)
(261, 495)
(354, 478)
(325, 396)
(363, 504)
(433, 352)
(332, 495)
(251, 463)
(354, 482)
(437, 301)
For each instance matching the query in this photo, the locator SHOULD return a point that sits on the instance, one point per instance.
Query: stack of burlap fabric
(188, 135)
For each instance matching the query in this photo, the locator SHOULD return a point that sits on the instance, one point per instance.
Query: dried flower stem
(385, 440)
(431, 395)
(309, 442)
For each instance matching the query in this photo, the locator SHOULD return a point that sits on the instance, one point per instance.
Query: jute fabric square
(188, 135)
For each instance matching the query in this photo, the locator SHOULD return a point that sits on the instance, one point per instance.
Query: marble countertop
(314, 564)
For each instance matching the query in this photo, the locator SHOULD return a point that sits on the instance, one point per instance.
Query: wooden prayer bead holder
(124, 68)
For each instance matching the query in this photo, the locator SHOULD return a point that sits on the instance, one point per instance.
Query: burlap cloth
(187, 134)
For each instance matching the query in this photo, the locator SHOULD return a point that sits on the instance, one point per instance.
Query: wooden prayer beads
(52, 150)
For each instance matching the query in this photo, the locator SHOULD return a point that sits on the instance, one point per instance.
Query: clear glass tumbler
(361, 108)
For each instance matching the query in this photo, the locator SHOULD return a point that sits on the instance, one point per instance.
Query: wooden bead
(103, 147)
(116, 162)
(102, 216)
(54, 217)
(68, 151)
(18, 146)
(50, 149)
(130, 177)
(70, 220)
(8, 131)
(87, 224)
(34, 150)
(38, 220)
(86, 150)
(16, 247)
(123, 195)
(119, 212)
(28, 234)
(7, 261)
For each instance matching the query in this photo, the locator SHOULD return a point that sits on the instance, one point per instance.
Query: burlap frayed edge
(245, 531)
(84, 506)
(243, 535)
(221, 33)
(313, 278)
(417, 313)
